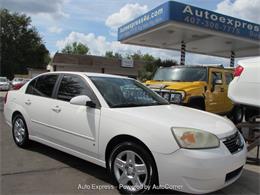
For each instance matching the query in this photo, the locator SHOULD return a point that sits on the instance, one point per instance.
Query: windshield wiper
(136, 105)
(177, 80)
(126, 105)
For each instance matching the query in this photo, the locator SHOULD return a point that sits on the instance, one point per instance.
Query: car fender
(149, 134)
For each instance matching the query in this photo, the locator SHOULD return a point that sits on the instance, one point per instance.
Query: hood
(174, 85)
(180, 116)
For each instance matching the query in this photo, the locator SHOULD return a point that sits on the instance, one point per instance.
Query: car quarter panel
(15, 103)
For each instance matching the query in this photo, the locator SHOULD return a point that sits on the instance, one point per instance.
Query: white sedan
(120, 124)
(4, 84)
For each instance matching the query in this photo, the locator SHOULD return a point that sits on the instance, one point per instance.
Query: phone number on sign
(217, 26)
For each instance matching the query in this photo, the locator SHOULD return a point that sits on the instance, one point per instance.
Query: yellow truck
(201, 87)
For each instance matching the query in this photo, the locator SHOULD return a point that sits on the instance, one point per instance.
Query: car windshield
(181, 74)
(3, 80)
(123, 92)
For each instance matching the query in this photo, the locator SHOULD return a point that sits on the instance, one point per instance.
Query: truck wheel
(237, 114)
(197, 104)
(251, 113)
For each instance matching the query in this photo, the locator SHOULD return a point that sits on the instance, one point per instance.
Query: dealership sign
(182, 13)
(127, 63)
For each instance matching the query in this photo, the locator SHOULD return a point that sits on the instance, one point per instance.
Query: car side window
(72, 86)
(31, 87)
(229, 77)
(44, 85)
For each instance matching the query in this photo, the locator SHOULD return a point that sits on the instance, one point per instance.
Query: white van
(245, 87)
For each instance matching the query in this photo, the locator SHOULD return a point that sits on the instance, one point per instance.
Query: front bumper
(200, 171)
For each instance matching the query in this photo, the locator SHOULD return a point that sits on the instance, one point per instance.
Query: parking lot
(43, 170)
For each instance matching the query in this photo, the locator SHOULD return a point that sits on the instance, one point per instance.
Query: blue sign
(153, 18)
(178, 12)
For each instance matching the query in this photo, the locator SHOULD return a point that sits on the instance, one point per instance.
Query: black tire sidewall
(25, 142)
(235, 114)
(194, 106)
(146, 157)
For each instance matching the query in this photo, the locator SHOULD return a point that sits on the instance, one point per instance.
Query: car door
(215, 94)
(37, 103)
(73, 126)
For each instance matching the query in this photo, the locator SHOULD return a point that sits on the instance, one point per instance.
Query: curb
(1, 104)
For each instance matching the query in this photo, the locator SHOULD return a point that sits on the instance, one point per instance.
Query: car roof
(88, 74)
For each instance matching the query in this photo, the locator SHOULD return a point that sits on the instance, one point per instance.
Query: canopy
(173, 24)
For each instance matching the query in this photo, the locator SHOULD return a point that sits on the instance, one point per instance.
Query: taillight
(5, 99)
(238, 71)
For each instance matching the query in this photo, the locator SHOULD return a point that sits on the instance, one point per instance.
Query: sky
(95, 22)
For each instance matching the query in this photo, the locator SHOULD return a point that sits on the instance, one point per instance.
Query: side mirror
(82, 100)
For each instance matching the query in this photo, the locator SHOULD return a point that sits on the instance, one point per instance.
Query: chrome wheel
(130, 170)
(19, 130)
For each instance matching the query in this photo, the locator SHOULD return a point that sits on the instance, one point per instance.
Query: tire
(124, 160)
(236, 115)
(197, 104)
(20, 131)
(251, 113)
(198, 107)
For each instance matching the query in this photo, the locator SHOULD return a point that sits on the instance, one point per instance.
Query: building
(98, 64)
(33, 72)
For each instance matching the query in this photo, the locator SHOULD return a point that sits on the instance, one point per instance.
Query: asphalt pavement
(2, 95)
(44, 170)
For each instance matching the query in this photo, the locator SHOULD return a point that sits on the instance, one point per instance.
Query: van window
(229, 77)
(44, 85)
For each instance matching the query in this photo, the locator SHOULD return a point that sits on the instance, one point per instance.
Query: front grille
(233, 143)
(233, 174)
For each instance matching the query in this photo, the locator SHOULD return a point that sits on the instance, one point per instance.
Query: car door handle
(28, 102)
(56, 109)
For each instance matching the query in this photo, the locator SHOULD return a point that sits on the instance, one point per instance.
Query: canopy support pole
(232, 59)
(183, 52)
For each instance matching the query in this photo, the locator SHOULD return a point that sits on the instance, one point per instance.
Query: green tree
(21, 46)
(118, 55)
(111, 54)
(151, 64)
(76, 48)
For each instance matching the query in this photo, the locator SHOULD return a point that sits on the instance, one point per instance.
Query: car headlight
(166, 96)
(183, 94)
(176, 98)
(194, 139)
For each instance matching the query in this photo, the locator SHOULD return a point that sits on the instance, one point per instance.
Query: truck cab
(201, 87)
